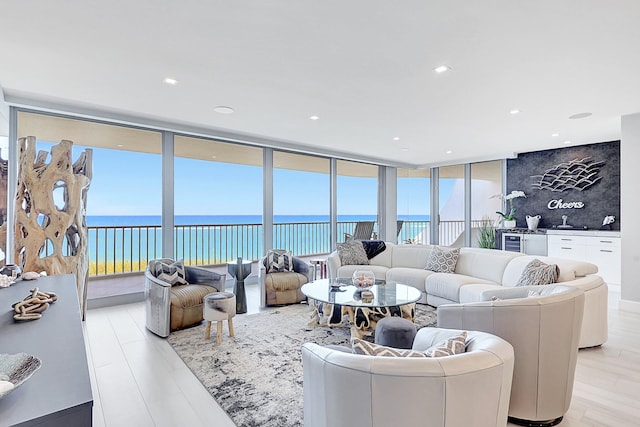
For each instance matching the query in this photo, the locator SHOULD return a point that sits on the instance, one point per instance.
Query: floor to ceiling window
(301, 203)
(413, 206)
(357, 199)
(486, 181)
(4, 176)
(123, 203)
(451, 205)
(217, 201)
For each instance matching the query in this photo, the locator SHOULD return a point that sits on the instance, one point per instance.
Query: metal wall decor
(577, 174)
(581, 182)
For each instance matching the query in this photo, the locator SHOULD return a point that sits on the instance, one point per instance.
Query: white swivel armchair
(544, 332)
(465, 390)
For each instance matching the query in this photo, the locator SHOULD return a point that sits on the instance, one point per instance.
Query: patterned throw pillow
(538, 273)
(279, 260)
(373, 247)
(352, 253)
(369, 349)
(170, 272)
(449, 347)
(443, 260)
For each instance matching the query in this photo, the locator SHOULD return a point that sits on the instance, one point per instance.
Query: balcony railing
(127, 249)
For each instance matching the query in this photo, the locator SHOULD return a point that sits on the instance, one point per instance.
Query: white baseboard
(628, 305)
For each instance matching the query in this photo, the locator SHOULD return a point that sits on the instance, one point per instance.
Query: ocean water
(113, 220)
(215, 239)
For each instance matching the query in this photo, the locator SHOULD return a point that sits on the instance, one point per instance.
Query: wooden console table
(59, 393)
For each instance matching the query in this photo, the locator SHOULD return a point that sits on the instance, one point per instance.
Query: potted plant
(509, 219)
(487, 237)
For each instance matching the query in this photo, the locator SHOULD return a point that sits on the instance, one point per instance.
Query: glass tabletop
(342, 292)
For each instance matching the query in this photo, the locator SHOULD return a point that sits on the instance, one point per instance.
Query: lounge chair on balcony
(399, 225)
(363, 231)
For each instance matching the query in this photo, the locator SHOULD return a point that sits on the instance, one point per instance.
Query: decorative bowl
(363, 279)
(17, 368)
(11, 270)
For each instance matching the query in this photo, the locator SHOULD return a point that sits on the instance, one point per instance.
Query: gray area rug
(256, 376)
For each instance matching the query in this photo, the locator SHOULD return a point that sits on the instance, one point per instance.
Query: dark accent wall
(585, 174)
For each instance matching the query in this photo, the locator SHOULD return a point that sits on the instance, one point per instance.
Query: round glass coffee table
(332, 300)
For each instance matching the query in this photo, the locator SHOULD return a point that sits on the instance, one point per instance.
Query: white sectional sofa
(480, 272)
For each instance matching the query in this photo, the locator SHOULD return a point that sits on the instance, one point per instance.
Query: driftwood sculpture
(51, 199)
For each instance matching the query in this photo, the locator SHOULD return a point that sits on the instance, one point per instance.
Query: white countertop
(578, 232)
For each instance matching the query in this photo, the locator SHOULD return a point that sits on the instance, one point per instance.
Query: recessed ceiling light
(221, 109)
(580, 116)
(404, 149)
(314, 117)
(555, 134)
(441, 69)
(170, 81)
(449, 151)
(567, 142)
(514, 111)
(119, 145)
(214, 157)
(396, 138)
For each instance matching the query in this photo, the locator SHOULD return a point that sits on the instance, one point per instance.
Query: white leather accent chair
(464, 390)
(544, 331)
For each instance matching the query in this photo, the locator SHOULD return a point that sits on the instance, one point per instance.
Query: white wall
(630, 212)
(4, 126)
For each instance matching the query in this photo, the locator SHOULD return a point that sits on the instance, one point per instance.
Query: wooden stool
(217, 307)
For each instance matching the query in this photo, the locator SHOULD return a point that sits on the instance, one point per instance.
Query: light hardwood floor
(137, 379)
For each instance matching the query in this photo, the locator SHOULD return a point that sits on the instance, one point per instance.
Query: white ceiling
(364, 66)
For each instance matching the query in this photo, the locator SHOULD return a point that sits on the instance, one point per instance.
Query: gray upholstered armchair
(283, 287)
(171, 306)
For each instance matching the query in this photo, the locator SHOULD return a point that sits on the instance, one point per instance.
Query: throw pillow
(171, 272)
(449, 347)
(538, 273)
(373, 247)
(352, 253)
(279, 260)
(443, 260)
(370, 349)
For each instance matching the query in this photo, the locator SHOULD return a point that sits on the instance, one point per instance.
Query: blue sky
(129, 183)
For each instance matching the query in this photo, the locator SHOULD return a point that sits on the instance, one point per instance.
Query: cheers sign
(560, 204)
